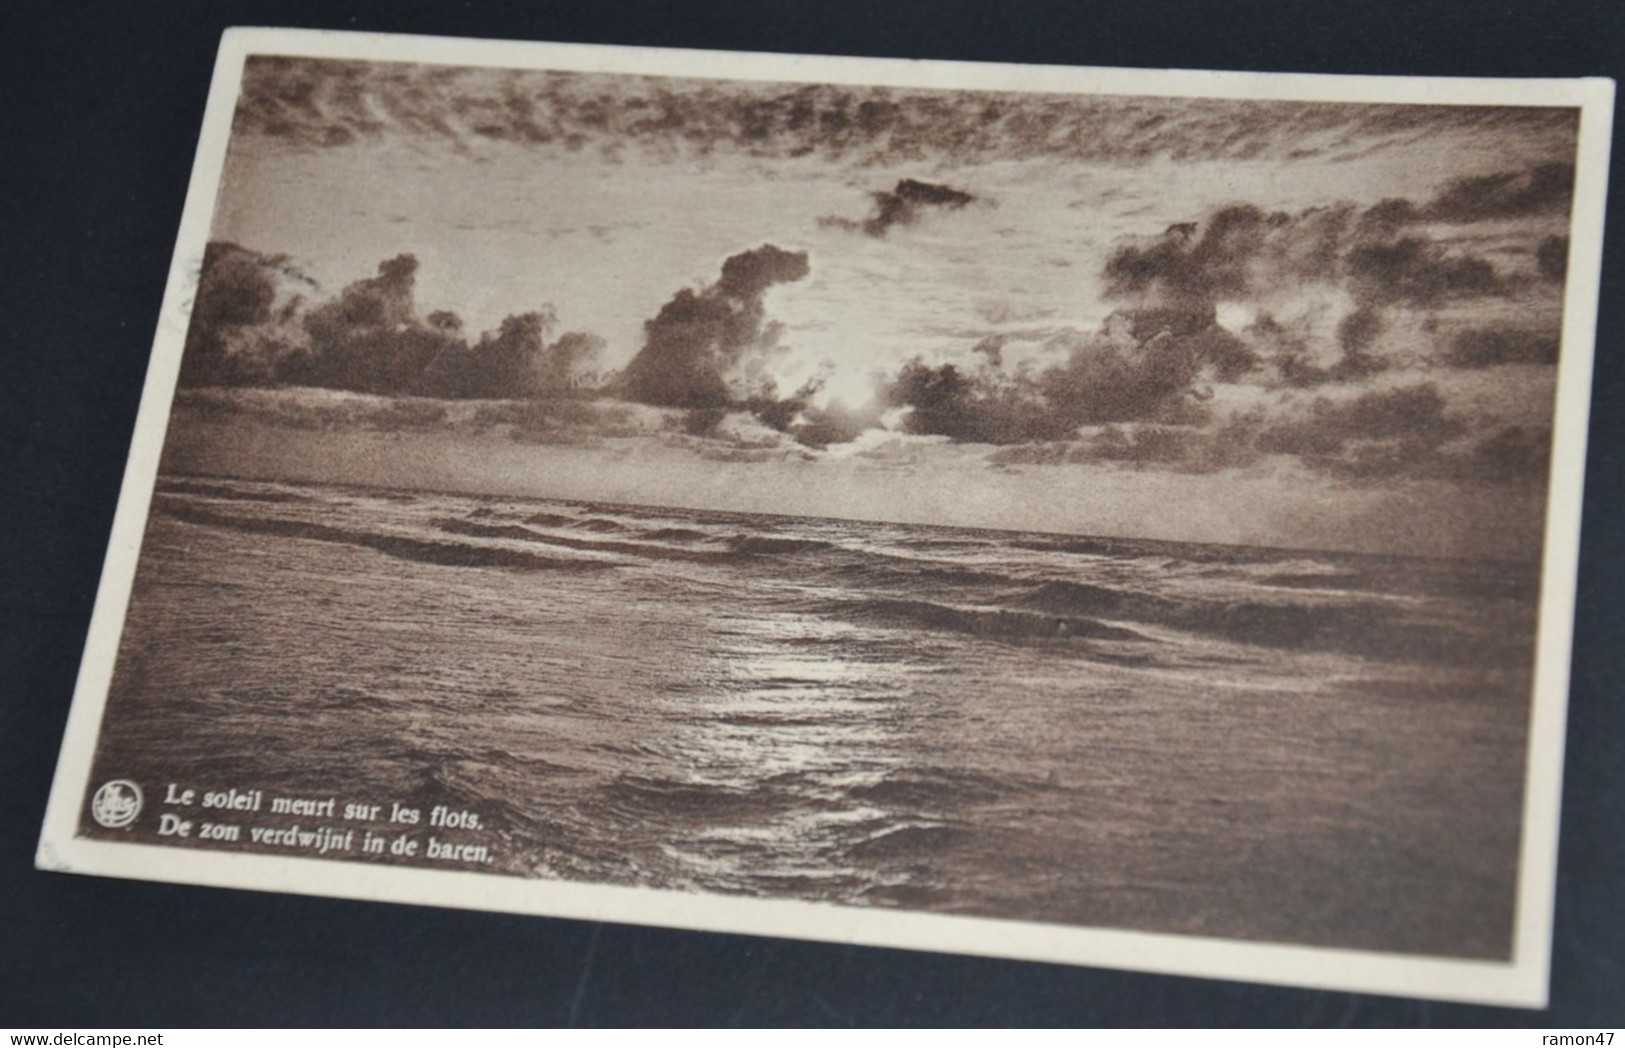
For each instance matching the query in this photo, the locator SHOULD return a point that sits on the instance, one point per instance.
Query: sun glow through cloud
(1109, 299)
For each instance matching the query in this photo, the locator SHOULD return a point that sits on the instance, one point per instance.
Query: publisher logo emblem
(116, 804)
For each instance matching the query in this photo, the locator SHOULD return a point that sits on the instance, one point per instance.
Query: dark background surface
(102, 103)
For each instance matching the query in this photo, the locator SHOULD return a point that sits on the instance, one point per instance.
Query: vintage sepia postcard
(1104, 517)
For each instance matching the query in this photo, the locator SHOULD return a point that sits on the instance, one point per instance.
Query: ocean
(1260, 744)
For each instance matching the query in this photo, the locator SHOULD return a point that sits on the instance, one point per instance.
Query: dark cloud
(699, 351)
(517, 361)
(1484, 347)
(747, 275)
(248, 329)
(1145, 366)
(504, 363)
(1546, 189)
(947, 401)
(991, 347)
(1236, 252)
(1386, 218)
(1515, 455)
(904, 206)
(1357, 330)
(1380, 433)
(1418, 271)
(1382, 257)
(1552, 258)
(574, 363)
(370, 339)
(1242, 252)
(1203, 266)
(238, 333)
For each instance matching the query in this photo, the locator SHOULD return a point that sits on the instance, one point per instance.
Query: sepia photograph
(1016, 504)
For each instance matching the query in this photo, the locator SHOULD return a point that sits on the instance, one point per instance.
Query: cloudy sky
(1287, 323)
